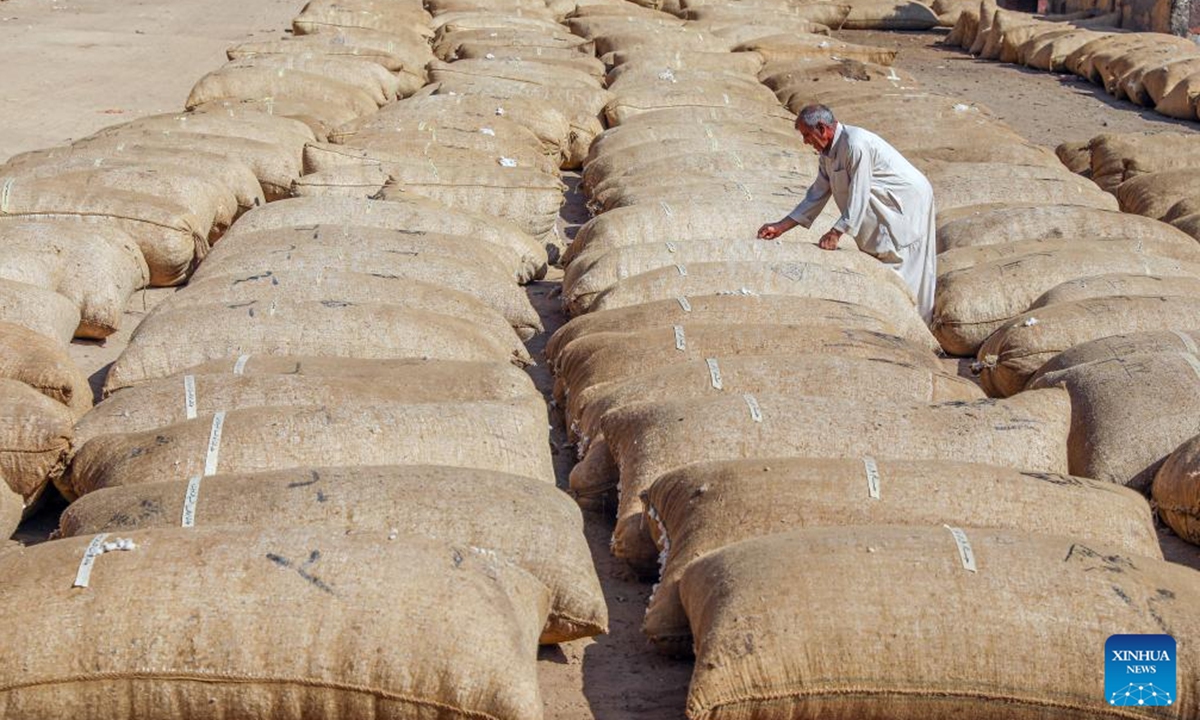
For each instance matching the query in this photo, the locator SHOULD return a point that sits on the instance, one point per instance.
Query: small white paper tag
(189, 396)
(239, 367)
(214, 444)
(190, 497)
(964, 548)
(682, 270)
(680, 340)
(755, 410)
(94, 550)
(872, 470)
(714, 373)
(683, 303)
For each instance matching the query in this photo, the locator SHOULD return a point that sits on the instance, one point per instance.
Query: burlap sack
(974, 301)
(511, 70)
(319, 117)
(708, 506)
(592, 26)
(495, 137)
(1117, 284)
(509, 436)
(765, 156)
(1082, 60)
(485, 298)
(636, 77)
(859, 661)
(890, 15)
(1016, 351)
(650, 439)
(247, 125)
(372, 78)
(1161, 80)
(97, 266)
(12, 506)
(1175, 495)
(448, 40)
(1117, 158)
(608, 357)
(675, 38)
(475, 507)
(546, 123)
(568, 58)
(527, 198)
(742, 31)
(42, 311)
(406, 59)
(1189, 224)
(35, 438)
(856, 282)
(1124, 77)
(169, 342)
(960, 184)
(1118, 430)
(997, 224)
(396, 18)
(649, 96)
(405, 156)
(415, 214)
(645, 136)
(350, 181)
(1148, 342)
(169, 236)
(1153, 194)
(966, 25)
(175, 399)
(440, 371)
(729, 310)
(739, 62)
(722, 178)
(261, 82)
(45, 366)
(592, 272)
(987, 13)
(1050, 51)
(790, 47)
(881, 378)
(203, 623)
(532, 18)
(1182, 100)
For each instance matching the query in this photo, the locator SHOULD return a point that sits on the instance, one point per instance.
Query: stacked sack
(1152, 69)
(783, 440)
(326, 445)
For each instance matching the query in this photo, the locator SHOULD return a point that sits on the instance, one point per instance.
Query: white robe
(886, 204)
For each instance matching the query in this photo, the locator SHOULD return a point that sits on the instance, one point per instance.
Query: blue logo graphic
(1139, 670)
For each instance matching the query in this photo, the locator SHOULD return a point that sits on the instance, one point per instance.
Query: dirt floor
(74, 66)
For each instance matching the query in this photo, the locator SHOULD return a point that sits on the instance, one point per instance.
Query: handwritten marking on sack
(714, 373)
(189, 396)
(680, 339)
(303, 569)
(965, 553)
(872, 469)
(190, 498)
(214, 444)
(755, 411)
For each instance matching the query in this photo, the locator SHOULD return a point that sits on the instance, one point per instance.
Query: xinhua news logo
(1139, 670)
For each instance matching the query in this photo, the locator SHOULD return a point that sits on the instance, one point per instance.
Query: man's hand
(829, 241)
(771, 231)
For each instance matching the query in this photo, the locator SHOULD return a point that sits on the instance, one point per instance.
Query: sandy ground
(74, 66)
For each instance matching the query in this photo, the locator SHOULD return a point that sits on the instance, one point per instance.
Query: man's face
(817, 137)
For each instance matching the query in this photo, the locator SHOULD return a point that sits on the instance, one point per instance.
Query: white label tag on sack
(714, 373)
(965, 553)
(683, 303)
(190, 497)
(872, 470)
(214, 444)
(680, 340)
(755, 410)
(94, 550)
(682, 269)
(189, 396)
(239, 367)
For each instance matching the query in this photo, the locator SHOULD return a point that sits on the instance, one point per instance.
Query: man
(886, 203)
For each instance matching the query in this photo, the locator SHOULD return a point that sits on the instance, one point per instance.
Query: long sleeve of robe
(886, 205)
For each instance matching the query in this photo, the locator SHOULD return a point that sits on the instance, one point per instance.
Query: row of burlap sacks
(784, 444)
(333, 410)
(1151, 69)
(836, 14)
(85, 226)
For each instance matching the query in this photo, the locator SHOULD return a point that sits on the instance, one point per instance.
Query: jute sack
(247, 125)
(97, 266)
(644, 136)
(44, 365)
(881, 378)
(638, 76)
(1168, 249)
(1183, 100)
(987, 13)
(890, 15)
(650, 439)
(406, 59)
(1148, 342)
(1017, 350)
(415, 214)
(709, 506)
(352, 246)
(600, 358)
(860, 660)
(175, 399)
(959, 184)
(855, 282)
(35, 438)
(448, 40)
(564, 57)
(453, 632)
(790, 47)
(1081, 61)
(818, 14)
(508, 436)
(306, 279)
(262, 82)
(230, 172)
(1161, 80)
(169, 342)
(722, 309)
(1125, 75)
(373, 79)
(12, 506)
(350, 181)
(495, 137)
(713, 175)
(320, 117)
(1076, 155)
(675, 38)
(512, 70)
(1117, 158)
(590, 27)
(1108, 65)
(1175, 495)
(528, 198)
(321, 15)
(655, 96)
(474, 507)
(1049, 51)
(1118, 284)
(966, 25)
(440, 371)
(1153, 194)
(997, 224)
(547, 124)
(1189, 224)
(764, 155)
(42, 311)
(742, 62)
(974, 301)
(212, 205)
(738, 31)
(592, 273)
(1119, 432)
(168, 235)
